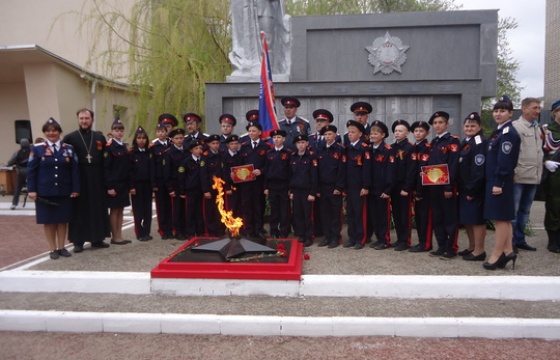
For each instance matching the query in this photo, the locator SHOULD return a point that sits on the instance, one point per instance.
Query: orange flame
(232, 223)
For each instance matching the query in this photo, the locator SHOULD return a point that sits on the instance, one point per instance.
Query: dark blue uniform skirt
(471, 212)
(122, 199)
(53, 214)
(499, 207)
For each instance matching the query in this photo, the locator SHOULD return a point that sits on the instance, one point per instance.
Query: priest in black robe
(90, 222)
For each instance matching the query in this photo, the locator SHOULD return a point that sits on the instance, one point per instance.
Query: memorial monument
(407, 65)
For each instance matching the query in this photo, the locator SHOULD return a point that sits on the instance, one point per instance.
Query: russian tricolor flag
(267, 105)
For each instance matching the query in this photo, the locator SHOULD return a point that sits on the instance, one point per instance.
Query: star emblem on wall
(387, 54)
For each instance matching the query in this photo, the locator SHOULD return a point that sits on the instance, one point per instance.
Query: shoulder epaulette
(109, 142)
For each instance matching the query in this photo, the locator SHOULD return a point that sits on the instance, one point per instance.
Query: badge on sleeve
(479, 159)
(506, 147)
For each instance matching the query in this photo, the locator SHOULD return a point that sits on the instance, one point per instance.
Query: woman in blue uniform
(503, 151)
(472, 157)
(53, 180)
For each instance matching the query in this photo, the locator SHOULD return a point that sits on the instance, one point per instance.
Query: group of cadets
(306, 176)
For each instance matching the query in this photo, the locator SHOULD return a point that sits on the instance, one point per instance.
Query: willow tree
(171, 48)
(337, 7)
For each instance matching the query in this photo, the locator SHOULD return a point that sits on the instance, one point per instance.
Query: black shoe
(180, 237)
(307, 243)
(100, 245)
(54, 255)
(78, 249)
(348, 244)
(64, 252)
(493, 266)
(381, 246)
(471, 257)
(149, 237)
(447, 256)
(143, 238)
(438, 252)
(401, 247)
(358, 246)
(325, 242)
(333, 245)
(511, 256)
(464, 252)
(526, 247)
(373, 245)
(416, 248)
(122, 242)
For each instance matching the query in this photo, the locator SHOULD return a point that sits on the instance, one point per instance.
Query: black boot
(553, 241)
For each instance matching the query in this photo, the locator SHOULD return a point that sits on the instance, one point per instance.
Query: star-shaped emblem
(387, 54)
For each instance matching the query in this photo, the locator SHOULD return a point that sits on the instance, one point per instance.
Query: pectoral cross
(88, 157)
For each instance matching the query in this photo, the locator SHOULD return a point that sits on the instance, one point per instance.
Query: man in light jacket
(529, 168)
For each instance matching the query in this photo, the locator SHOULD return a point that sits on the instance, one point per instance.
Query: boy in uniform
(190, 190)
(210, 166)
(171, 163)
(422, 211)
(158, 148)
(231, 158)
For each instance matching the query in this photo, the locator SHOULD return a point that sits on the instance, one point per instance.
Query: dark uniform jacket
(116, 165)
(158, 150)
(256, 156)
(277, 169)
(229, 161)
(297, 127)
(503, 153)
(445, 150)
(472, 157)
(171, 162)
(210, 166)
(304, 172)
(188, 175)
(59, 174)
(332, 166)
(140, 165)
(382, 169)
(422, 150)
(405, 166)
(358, 166)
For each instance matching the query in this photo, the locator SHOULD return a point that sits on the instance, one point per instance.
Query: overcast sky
(526, 42)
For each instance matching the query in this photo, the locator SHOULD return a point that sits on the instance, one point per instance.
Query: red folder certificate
(242, 173)
(435, 175)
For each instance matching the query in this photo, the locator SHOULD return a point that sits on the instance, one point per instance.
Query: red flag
(267, 105)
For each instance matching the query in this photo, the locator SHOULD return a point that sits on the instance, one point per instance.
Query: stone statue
(249, 18)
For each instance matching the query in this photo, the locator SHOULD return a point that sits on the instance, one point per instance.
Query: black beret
(400, 122)
(290, 101)
(474, 116)
(191, 117)
(424, 125)
(329, 128)
(255, 124)
(356, 124)
(176, 132)
(300, 137)
(361, 106)
(382, 126)
(168, 118)
(437, 114)
(322, 114)
(212, 138)
(228, 118)
(252, 115)
(232, 138)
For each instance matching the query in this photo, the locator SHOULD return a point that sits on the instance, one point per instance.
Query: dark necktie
(254, 144)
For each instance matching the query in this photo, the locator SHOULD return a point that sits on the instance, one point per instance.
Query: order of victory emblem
(387, 54)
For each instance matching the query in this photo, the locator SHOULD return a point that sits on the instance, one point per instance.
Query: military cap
(228, 118)
(424, 125)
(473, 117)
(252, 115)
(380, 124)
(168, 119)
(437, 114)
(278, 132)
(400, 122)
(290, 101)
(194, 143)
(140, 130)
(504, 102)
(176, 132)
(360, 107)
(191, 117)
(301, 137)
(211, 138)
(52, 122)
(117, 124)
(356, 124)
(329, 128)
(322, 114)
(161, 126)
(232, 138)
(255, 124)
(555, 105)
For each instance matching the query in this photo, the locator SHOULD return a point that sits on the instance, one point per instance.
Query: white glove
(551, 165)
